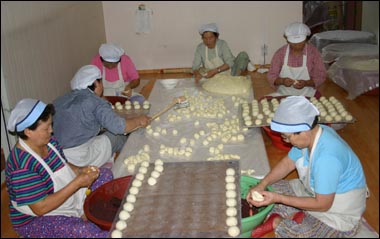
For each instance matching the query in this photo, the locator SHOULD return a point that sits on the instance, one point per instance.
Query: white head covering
(111, 52)
(85, 76)
(211, 27)
(296, 32)
(26, 113)
(294, 114)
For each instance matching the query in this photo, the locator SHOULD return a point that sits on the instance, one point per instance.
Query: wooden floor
(362, 136)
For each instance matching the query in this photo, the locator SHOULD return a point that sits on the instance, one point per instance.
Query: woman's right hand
(197, 77)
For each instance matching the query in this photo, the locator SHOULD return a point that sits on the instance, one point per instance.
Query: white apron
(97, 151)
(73, 206)
(295, 73)
(214, 63)
(113, 88)
(347, 208)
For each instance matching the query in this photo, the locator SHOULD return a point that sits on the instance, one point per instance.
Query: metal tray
(188, 200)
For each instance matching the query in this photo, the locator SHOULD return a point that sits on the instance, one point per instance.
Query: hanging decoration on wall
(143, 19)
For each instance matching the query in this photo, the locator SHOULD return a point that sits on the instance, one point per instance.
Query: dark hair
(92, 87)
(215, 34)
(48, 111)
(101, 58)
(315, 122)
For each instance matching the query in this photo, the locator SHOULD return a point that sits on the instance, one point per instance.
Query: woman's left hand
(127, 91)
(211, 73)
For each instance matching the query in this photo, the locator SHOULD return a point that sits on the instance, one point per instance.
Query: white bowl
(169, 83)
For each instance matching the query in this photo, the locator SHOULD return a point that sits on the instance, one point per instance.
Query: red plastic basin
(101, 205)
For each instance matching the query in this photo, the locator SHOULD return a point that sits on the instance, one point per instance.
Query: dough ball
(121, 225)
(258, 122)
(348, 117)
(338, 118)
(140, 176)
(230, 179)
(152, 181)
(230, 186)
(231, 221)
(143, 170)
(145, 164)
(328, 118)
(231, 202)
(233, 231)
(134, 190)
(124, 215)
(136, 183)
(230, 193)
(155, 174)
(231, 212)
(131, 198)
(145, 106)
(230, 172)
(128, 207)
(116, 234)
(159, 168)
(137, 106)
(256, 196)
(158, 162)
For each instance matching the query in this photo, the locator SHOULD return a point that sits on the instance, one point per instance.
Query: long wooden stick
(175, 101)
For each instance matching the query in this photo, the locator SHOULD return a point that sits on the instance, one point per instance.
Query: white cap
(294, 114)
(111, 52)
(85, 76)
(211, 27)
(296, 32)
(25, 114)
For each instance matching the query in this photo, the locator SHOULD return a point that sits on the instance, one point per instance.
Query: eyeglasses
(286, 137)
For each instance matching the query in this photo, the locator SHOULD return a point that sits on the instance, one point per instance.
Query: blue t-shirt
(335, 167)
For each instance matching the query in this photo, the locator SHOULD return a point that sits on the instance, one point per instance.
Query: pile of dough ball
(131, 199)
(216, 154)
(133, 160)
(231, 202)
(167, 151)
(228, 85)
(200, 106)
(259, 113)
(331, 110)
(129, 106)
(157, 131)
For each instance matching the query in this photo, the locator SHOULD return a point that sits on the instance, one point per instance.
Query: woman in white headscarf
(47, 192)
(82, 113)
(119, 74)
(297, 68)
(329, 198)
(213, 56)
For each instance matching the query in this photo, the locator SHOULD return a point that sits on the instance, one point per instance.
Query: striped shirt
(27, 180)
(315, 66)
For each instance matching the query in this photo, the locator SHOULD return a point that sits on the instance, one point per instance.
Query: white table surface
(251, 151)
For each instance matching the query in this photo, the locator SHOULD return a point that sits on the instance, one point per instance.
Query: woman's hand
(299, 84)
(211, 73)
(287, 82)
(127, 91)
(197, 76)
(87, 176)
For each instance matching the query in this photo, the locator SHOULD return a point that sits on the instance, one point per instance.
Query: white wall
(174, 36)
(43, 44)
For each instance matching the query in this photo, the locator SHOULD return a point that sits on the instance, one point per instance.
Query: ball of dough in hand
(256, 196)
